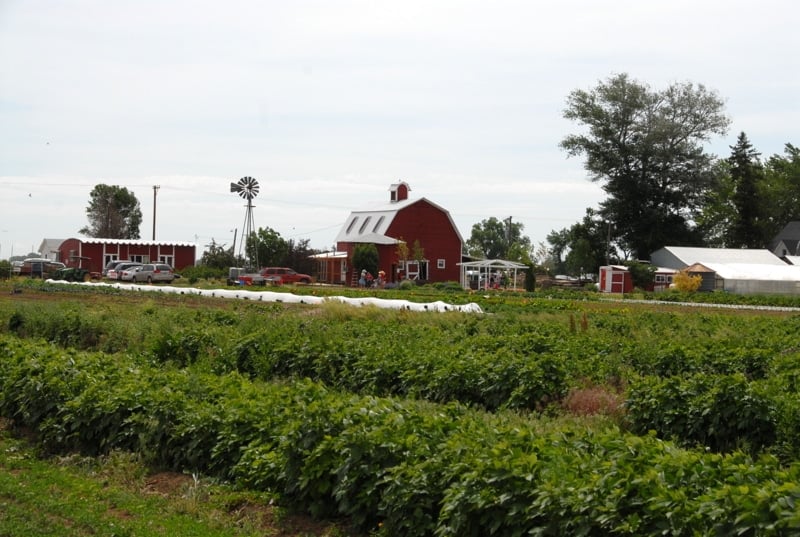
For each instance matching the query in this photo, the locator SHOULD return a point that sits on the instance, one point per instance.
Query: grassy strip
(114, 496)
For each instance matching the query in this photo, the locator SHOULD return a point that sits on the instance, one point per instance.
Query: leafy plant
(686, 283)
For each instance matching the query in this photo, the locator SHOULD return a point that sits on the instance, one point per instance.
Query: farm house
(401, 220)
(93, 254)
(787, 241)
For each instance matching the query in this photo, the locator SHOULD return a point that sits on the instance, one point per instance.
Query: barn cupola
(399, 191)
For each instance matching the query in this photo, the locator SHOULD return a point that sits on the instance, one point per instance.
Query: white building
(733, 270)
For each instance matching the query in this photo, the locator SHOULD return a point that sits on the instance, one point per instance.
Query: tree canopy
(496, 239)
(746, 230)
(645, 147)
(583, 247)
(113, 212)
(217, 256)
(751, 200)
(365, 257)
(780, 190)
(266, 248)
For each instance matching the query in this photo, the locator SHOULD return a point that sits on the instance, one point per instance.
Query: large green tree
(747, 173)
(718, 212)
(751, 201)
(780, 192)
(365, 257)
(298, 256)
(113, 212)
(499, 239)
(266, 248)
(583, 247)
(217, 256)
(645, 147)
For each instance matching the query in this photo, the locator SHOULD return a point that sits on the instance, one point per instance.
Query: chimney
(399, 192)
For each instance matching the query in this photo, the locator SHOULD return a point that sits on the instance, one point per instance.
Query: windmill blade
(249, 187)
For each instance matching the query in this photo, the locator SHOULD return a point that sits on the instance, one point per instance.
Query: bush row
(721, 412)
(393, 467)
(722, 381)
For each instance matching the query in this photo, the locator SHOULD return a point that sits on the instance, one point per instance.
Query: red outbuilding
(423, 226)
(615, 279)
(93, 253)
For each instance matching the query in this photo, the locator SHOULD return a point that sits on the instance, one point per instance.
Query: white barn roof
(750, 271)
(679, 257)
(135, 242)
(371, 225)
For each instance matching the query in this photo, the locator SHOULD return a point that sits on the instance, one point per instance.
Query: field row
(396, 467)
(720, 380)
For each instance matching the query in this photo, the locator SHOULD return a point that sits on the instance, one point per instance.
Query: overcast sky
(326, 103)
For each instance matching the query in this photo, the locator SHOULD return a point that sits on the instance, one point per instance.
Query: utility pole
(155, 192)
(508, 236)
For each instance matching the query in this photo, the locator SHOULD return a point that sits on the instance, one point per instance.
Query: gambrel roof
(371, 225)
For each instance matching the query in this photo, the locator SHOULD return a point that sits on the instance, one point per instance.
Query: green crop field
(548, 414)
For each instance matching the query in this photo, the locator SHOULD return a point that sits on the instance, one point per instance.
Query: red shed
(615, 279)
(93, 254)
(402, 220)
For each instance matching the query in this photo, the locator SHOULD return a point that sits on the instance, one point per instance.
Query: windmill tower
(247, 188)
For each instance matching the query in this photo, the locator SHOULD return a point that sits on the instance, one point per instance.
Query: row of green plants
(719, 380)
(393, 467)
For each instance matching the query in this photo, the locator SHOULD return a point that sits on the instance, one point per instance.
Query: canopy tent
(485, 268)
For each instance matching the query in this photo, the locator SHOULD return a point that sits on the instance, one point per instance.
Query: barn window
(378, 224)
(440, 263)
(352, 223)
(364, 225)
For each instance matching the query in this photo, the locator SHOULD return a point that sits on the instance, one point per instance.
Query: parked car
(281, 275)
(128, 274)
(154, 272)
(115, 273)
(112, 264)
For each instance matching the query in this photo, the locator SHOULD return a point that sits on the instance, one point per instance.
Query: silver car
(117, 272)
(154, 272)
(128, 274)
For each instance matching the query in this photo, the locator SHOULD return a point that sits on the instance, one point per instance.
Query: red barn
(93, 254)
(403, 220)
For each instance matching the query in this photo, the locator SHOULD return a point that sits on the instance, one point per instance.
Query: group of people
(367, 280)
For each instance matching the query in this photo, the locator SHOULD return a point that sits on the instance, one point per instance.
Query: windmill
(247, 188)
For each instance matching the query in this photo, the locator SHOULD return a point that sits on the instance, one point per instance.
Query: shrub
(686, 283)
(722, 412)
